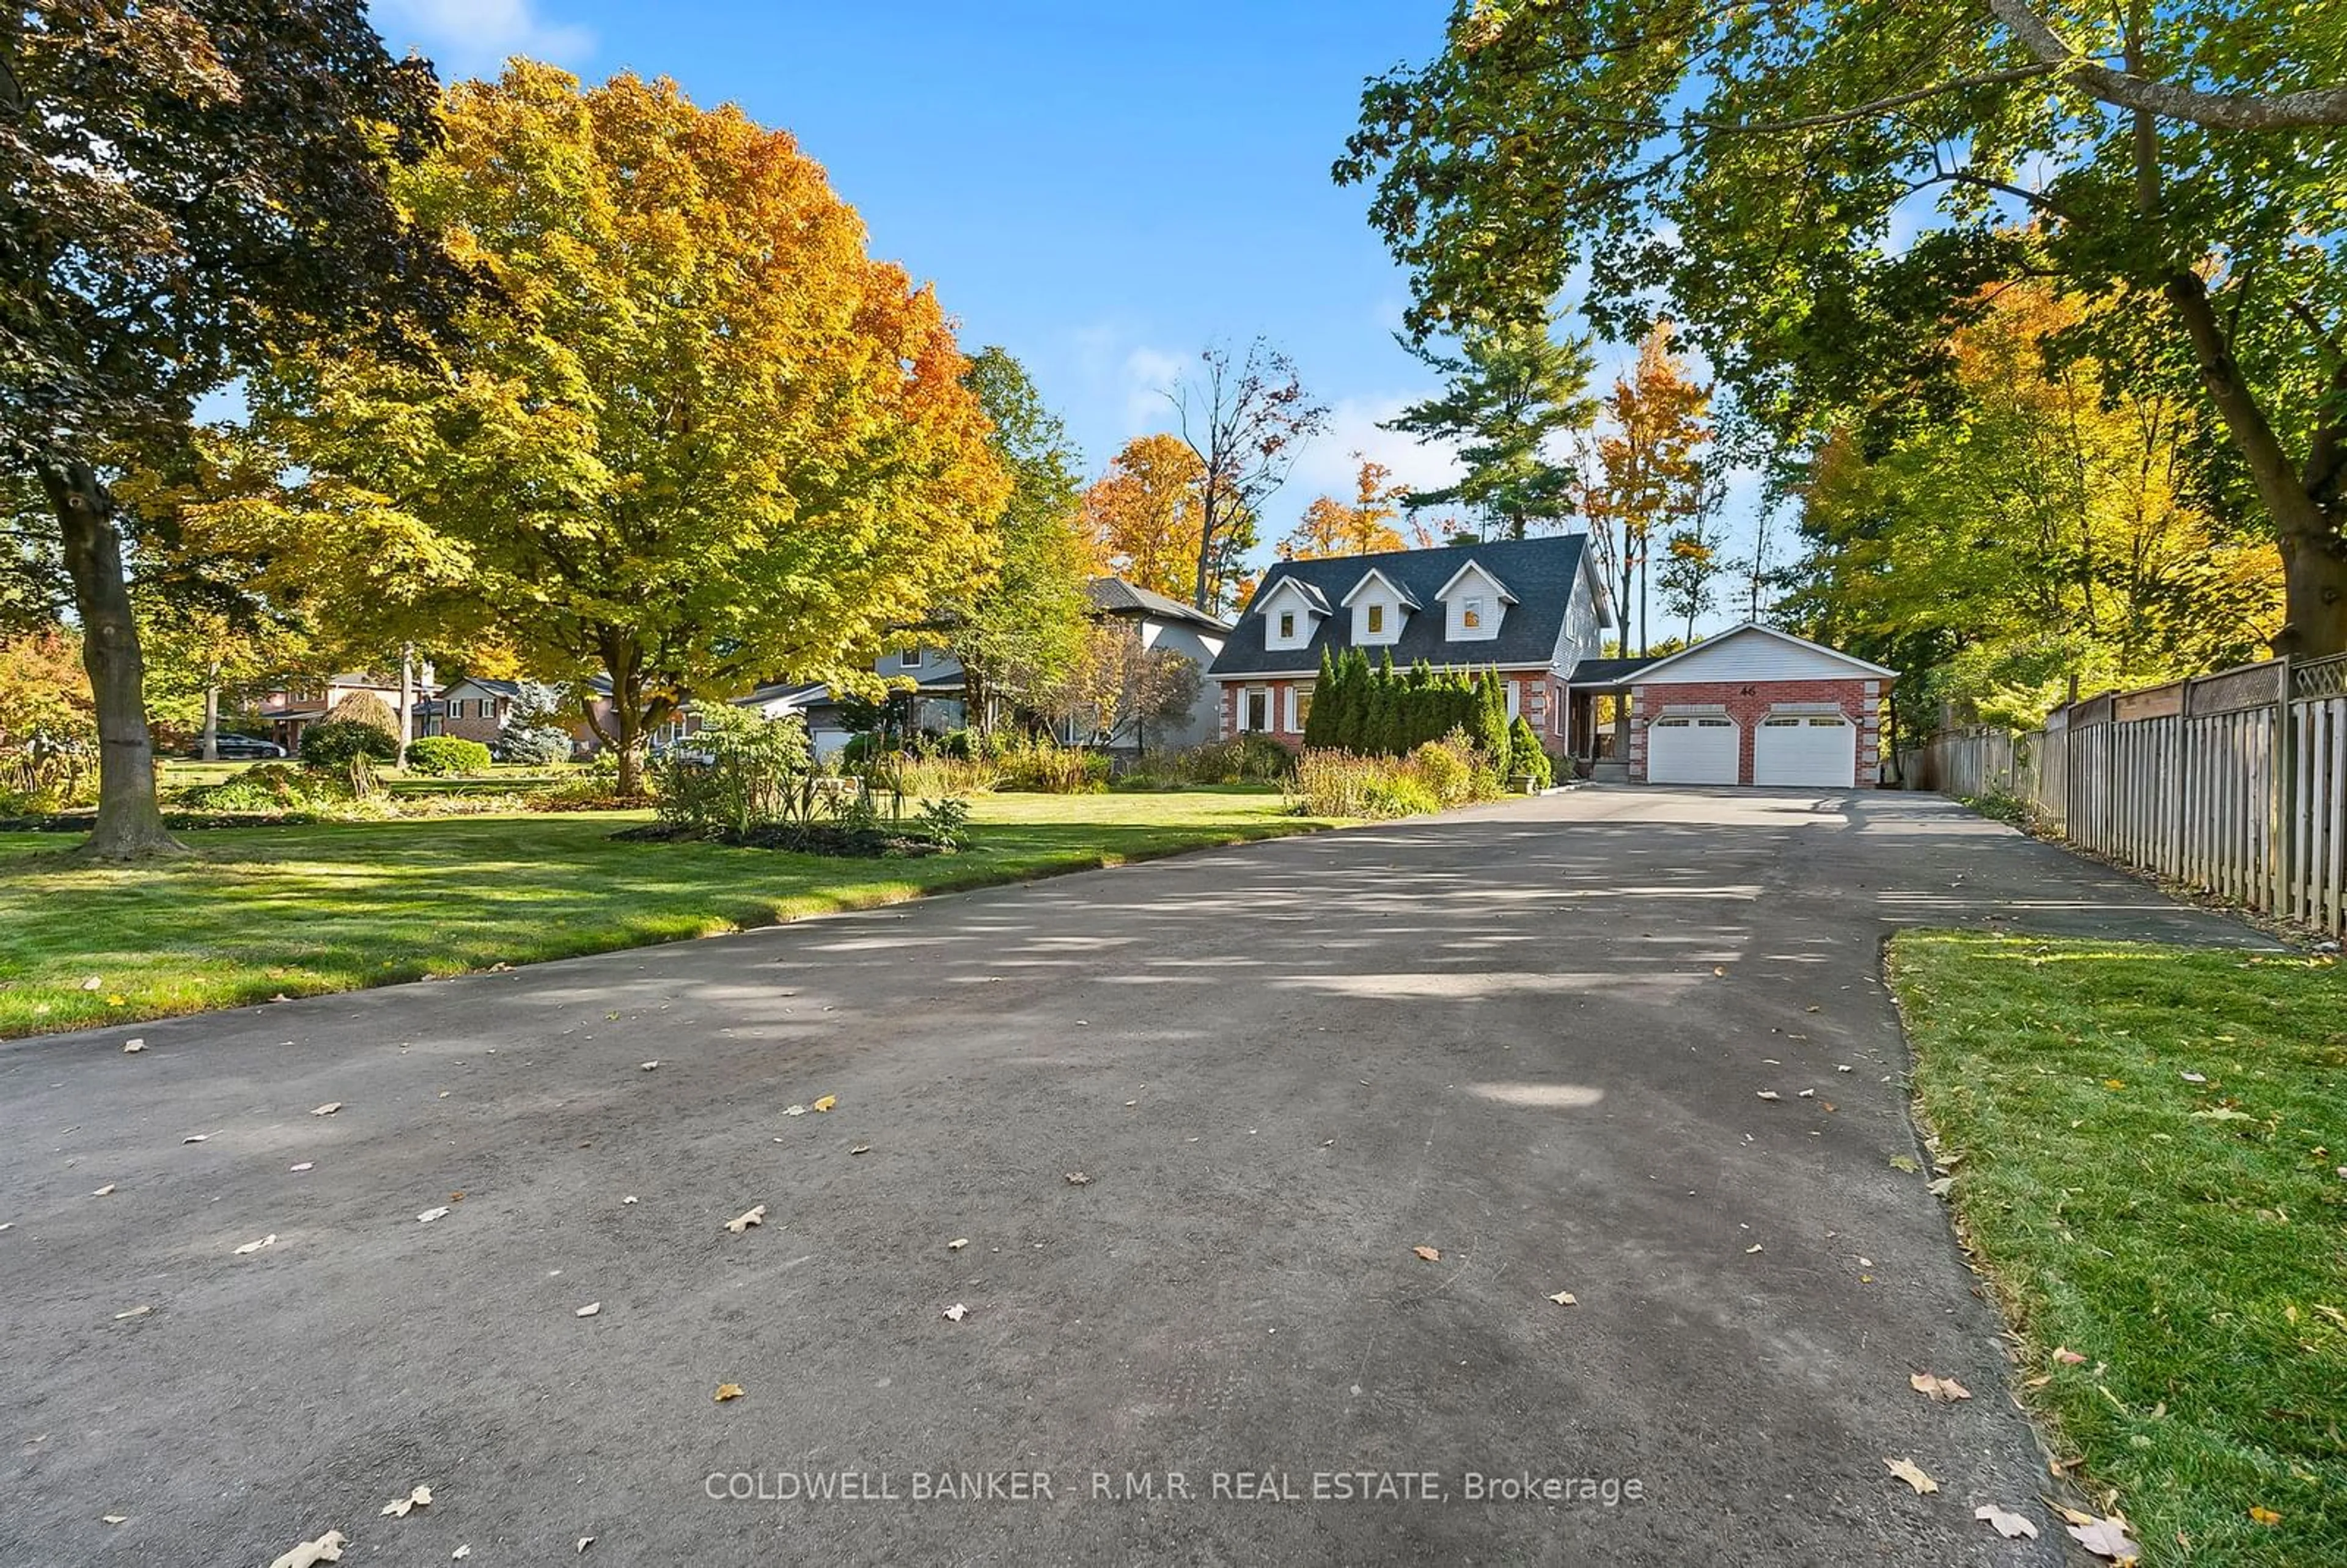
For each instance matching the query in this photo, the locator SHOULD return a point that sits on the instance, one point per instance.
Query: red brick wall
(473, 728)
(1749, 701)
(1539, 698)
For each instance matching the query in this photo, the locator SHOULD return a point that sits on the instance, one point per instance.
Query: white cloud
(1329, 466)
(1147, 374)
(474, 37)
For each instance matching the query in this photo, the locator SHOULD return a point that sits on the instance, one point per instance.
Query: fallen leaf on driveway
(957, 1243)
(197, 1138)
(795, 1110)
(397, 1508)
(1078, 1179)
(589, 1310)
(2067, 1358)
(647, 1066)
(139, 1311)
(584, 1543)
(1940, 1390)
(133, 1046)
(2008, 1526)
(270, 1240)
(1564, 1298)
(861, 1148)
(1904, 1162)
(428, 1215)
(1941, 1187)
(103, 1191)
(728, 1391)
(327, 1548)
(1904, 1469)
(113, 1518)
(1432, 1254)
(1753, 1248)
(1808, 1094)
(2105, 1538)
(629, 1199)
(739, 1223)
(460, 1554)
(956, 1313)
(1770, 1094)
(825, 1103)
(1839, 1068)
(328, 1109)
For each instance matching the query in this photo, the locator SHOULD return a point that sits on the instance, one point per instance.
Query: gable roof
(1540, 573)
(1408, 598)
(1712, 644)
(1309, 591)
(1479, 569)
(1114, 596)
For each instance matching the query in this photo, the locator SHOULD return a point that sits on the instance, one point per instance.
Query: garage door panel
(1693, 750)
(1813, 749)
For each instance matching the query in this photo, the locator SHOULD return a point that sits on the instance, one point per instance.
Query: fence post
(2281, 791)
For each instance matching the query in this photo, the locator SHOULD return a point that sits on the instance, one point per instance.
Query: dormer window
(1287, 626)
(1476, 603)
(1471, 615)
(1291, 611)
(1377, 619)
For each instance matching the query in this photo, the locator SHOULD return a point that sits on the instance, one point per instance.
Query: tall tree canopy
(184, 189)
(1511, 389)
(1141, 515)
(1363, 526)
(1755, 170)
(715, 442)
(2040, 530)
(1021, 632)
(1653, 472)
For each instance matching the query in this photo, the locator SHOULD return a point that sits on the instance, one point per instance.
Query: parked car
(241, 749)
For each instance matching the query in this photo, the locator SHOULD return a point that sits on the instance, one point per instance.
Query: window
(456, 709)
(910, 658)
(1377, 618)
(1471, 615)
(1515, 699)
(1258, 709)
(1293, 723)
(1286, 625)
(1302, 711)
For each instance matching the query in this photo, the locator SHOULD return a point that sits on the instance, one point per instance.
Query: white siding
(1755, 655)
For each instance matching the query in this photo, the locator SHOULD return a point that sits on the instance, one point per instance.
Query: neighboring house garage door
(1805, 749)
(1692, 750)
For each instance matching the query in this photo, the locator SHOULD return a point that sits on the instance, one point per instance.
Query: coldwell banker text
(1277, 1486)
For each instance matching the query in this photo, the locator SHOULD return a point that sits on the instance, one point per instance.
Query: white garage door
(1692, 750)
(1805, 749)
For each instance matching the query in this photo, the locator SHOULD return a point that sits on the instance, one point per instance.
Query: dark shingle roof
(1605, 672)
(1538, 572)
(1113, 595)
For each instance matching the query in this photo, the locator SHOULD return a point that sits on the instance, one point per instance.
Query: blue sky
(1102, 190)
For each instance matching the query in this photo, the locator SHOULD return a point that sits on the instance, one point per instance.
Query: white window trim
(1515, 698)
(1291, 726)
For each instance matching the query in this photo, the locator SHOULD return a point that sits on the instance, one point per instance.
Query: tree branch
(2220, 111)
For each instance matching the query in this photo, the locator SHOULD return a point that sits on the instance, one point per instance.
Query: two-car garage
(1757, 706)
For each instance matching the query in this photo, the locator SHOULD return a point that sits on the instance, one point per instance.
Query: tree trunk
(130, 821)
(2307, 526)
(211, 713)
(407, 701)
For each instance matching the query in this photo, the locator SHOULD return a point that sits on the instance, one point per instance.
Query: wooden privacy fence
(2235, 783)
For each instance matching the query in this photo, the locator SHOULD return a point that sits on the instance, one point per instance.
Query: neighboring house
(1750, 706)
(1161, 622)
(477, 709)
(1530, 608)
(1753, 705)
(293, 709)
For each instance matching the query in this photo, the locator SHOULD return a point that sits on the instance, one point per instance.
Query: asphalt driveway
(1531, 1038)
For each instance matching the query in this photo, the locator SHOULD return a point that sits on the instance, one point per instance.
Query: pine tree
(1490, 730)
(1327, 703)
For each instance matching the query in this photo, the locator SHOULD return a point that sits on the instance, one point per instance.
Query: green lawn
(260, 912)
(2188, 1238)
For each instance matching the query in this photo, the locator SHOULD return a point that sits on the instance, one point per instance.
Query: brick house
(477, 709)
(1752, 705)
(1531, 609)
